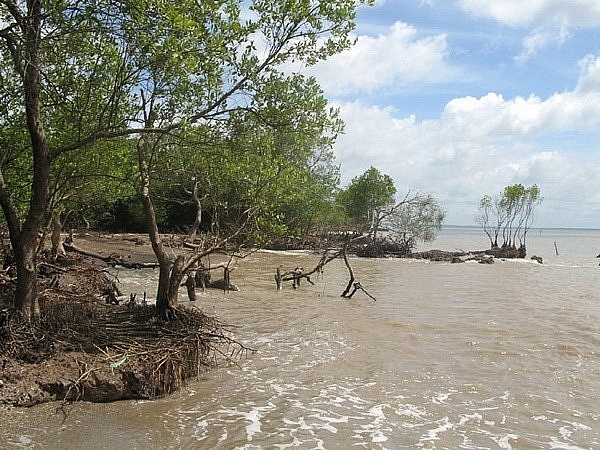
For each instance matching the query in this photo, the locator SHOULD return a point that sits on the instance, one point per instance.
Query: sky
(460, 98)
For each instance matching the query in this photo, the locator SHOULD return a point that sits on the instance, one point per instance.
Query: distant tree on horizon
(509, 215)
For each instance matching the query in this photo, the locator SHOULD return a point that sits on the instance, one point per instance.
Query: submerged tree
(509, 215)
(418, 217)
(370, 206)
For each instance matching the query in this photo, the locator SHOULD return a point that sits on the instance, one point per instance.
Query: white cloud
(578, 13)
(492, 115)
(479, 145)
(399, 56)
(589, 80)
(542, 37)
(551, 20)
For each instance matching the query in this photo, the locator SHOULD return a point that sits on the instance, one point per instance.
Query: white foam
(378, 436)
(253, 416)
(374, 428)
(563, 445)
(24, 442)
(330, 419)
(254, 427)
(328, 427)
(223, 436)
(377, 411)
(301, 424)
(412, 411)
(441, 397)
(285, 252)
(466, 418)
(504, 441)
(433, 435)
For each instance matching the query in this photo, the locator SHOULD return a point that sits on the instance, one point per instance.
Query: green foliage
(275, 160)
(509, 215)
(369, 203)
(15, 165)
(419, 217)
(366, 197)
(103, 174)
(201, 80)
(260, 138)
(77, 75)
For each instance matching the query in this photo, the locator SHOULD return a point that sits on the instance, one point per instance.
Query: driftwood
(111, 260)
(191, 246)
(357, 287)
(47, 269)
(295, 276)
(298, 273)
(329, 255)
(200, 276)
(350, 272)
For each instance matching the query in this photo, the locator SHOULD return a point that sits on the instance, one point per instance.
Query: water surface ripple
(450, 356)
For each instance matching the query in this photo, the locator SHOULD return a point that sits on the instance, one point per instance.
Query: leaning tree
(371, 205)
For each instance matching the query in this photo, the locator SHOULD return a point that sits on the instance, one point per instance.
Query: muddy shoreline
(72, 357)
(87, 349)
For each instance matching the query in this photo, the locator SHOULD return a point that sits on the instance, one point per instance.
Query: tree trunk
(57, 247)
(169, 282)
(25, 239)
(175, 279)
(164, 299)
(170, 273)
(198, 218)
(26, 303)
(190, 284)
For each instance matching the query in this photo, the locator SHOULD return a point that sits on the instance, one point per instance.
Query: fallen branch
(111, 260)
(298, 273)
(350, 271)
(329, 255)
(357, 286)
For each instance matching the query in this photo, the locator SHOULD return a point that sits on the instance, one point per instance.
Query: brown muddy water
(449, 356)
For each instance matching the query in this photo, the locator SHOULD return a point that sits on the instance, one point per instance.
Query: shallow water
(449, 356)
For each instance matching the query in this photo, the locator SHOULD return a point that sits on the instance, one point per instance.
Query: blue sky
(459, 98)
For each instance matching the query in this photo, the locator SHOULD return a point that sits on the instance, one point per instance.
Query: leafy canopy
(366, 196)
(370, 203)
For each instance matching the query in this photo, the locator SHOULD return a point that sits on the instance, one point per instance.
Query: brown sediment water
(449, 356)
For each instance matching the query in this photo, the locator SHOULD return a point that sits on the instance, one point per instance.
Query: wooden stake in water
(555, 248)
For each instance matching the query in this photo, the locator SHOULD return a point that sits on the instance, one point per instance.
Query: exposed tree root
(86, 349)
